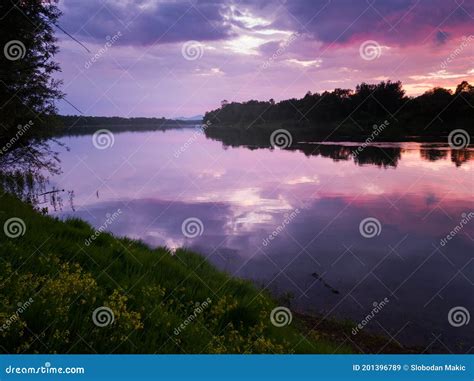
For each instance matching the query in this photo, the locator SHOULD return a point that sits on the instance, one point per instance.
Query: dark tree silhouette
(348, 113)
(27, 87)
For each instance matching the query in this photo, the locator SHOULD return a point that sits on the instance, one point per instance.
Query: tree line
(80, 120)
(28, 88)
(352, 112)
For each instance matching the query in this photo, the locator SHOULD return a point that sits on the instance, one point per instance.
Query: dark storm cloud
(240, 36)
(402, 22)
(146, 22)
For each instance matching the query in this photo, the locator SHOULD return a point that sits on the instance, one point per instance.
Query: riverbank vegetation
(80, 125)
(347, 113)
(52, 281)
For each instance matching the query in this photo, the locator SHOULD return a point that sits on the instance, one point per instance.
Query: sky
(182, 58)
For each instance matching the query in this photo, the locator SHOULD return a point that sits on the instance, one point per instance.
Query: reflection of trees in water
(432, 154)
(335, 152)
(28, 95)
(24, 172)
(460, 156)
(381, 157)
(35, 156)
(33, 189)
(371, 155)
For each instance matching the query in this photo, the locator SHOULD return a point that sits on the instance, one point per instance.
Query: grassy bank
(51, 282)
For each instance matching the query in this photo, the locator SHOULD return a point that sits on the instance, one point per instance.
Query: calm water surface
(312, 205)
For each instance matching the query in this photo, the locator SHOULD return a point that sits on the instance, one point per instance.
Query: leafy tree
(353, 113)
(27, 87)
(464, 87)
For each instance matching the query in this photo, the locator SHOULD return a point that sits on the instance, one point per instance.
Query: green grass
(150, 292)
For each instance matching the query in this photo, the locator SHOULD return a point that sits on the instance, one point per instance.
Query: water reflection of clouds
(243, 195)
(239, 170)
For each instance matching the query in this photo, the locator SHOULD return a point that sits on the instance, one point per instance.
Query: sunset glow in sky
(181, 58)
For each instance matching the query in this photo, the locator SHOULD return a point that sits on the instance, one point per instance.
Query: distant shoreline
(84, 125)
(370, 112)
(308, 135)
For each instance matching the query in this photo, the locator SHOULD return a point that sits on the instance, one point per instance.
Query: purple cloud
(144, 23)
(253, 50)
(399, 22)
